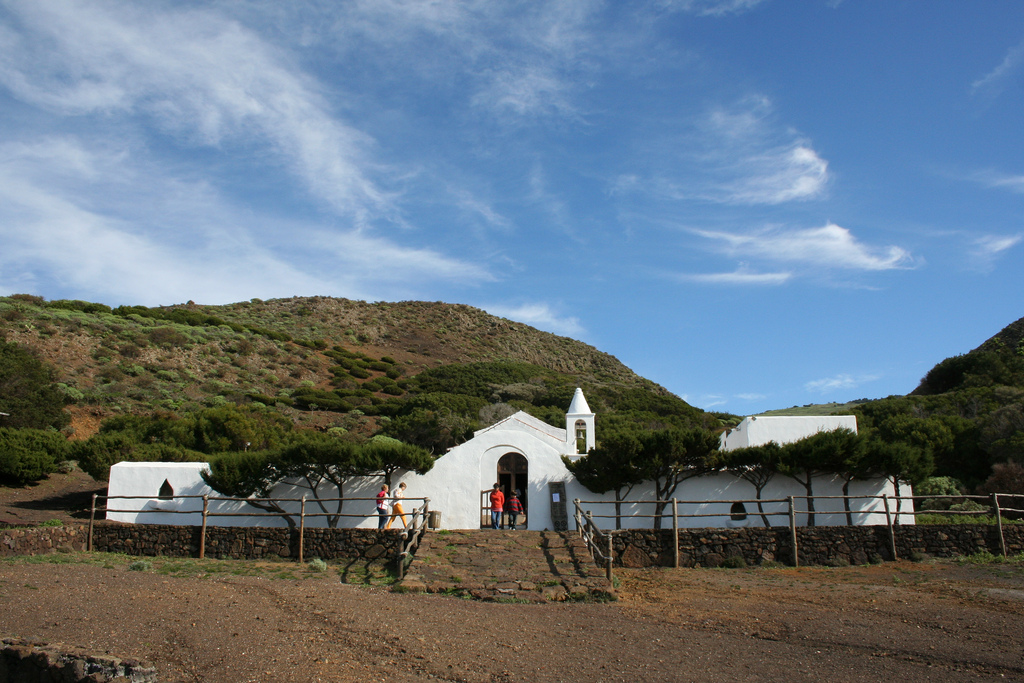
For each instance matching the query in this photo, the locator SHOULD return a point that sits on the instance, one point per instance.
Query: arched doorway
(513, 475)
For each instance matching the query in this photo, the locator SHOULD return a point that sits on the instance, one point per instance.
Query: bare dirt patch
(65, 497)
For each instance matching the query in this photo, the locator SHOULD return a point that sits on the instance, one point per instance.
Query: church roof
(522, 421)
(579, 404)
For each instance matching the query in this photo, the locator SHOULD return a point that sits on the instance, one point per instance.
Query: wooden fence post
(675, 533)
(999, 523)
(92, 519)
(591, 536)
(302, 528)
(792, 532)
(611, 553)
(888, 523)
(202, 533)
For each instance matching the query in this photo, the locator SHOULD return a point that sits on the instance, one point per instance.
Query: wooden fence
(600, 541)
(411, 536)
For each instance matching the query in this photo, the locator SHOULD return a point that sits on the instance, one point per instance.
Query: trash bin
(434, 519)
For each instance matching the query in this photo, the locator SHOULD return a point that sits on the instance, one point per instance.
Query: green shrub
(317, 565)
(71, 392)
(167, 336)
(29, 396)
(76, 305)
(734, 562)
(28, 455)
(140, 566)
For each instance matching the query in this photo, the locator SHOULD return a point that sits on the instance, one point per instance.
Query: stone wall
(22, 660)
(40, 540)
(818, 545)
(632, 547)
(250, 543)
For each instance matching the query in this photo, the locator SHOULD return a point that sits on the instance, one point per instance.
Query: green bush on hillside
(28, 455)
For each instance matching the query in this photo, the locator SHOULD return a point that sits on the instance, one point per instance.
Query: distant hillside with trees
(195, 382)
(968, 412)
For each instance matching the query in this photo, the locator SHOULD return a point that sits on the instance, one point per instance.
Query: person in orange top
(497, 505)
(396, 507)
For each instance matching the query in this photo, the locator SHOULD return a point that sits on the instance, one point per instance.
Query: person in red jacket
(382, 506)
(497, 505)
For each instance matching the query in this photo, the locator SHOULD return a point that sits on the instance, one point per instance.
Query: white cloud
(829, 246)
(994, 244)
(708, 401)
(479, 209)
(751, 397)
(741, 276)
(839, 382)
(115, 228)
(751, 165)
(994, 82)
(518, 60)
(203, 78)
(784, 174)
(541, 316)
(735, 155)
(999, 181)
(987, 248)
(714, 8)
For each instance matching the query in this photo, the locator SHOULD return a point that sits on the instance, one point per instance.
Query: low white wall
(454, 486)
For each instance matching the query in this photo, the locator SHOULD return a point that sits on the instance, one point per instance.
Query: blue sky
(755, 203)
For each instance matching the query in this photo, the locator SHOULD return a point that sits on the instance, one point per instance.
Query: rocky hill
(323, 361)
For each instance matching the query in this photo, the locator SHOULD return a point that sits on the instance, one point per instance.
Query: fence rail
(411, 536)
(596, 538)
(598, 542)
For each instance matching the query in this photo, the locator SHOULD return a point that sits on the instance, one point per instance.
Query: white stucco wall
(145, 479)
(782, 429)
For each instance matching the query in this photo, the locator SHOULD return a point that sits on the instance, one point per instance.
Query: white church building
(520, 453)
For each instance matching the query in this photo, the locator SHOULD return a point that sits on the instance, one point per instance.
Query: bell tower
(579, 426)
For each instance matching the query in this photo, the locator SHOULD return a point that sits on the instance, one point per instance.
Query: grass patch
(985, 557)
(209, 568)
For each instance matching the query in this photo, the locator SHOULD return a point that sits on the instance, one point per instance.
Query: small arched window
(738, 512)
(166, 490)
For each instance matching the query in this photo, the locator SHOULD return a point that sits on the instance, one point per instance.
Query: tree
(755, 464)
(1007, 477)
(385, 456)
(322, 459)
(98, 453)
(614, 464)
(28, 455)
(28, 393)
(310, 462)
(818, 454)
(247, 474)
(898, 461)
(671, 456)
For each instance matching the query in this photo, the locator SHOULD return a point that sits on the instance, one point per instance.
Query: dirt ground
(229, 621)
